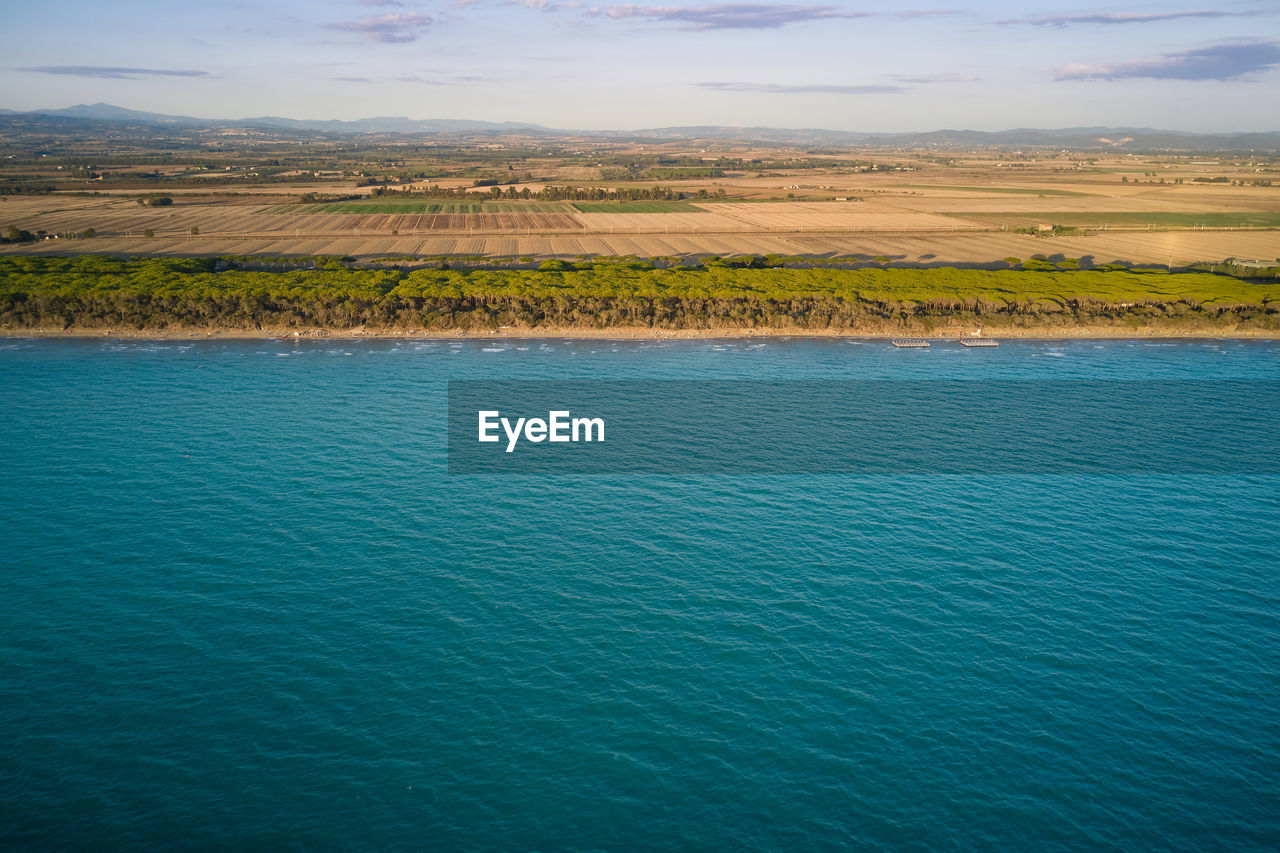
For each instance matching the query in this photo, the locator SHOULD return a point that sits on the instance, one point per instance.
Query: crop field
(1036, 191)
(837, 216)
(358, 207)
(1037, 206)
(397, 206)
(879, 227)
(1156, 247)
(496, 222)
(693, 221)
(1121, 199)
(384, 225)
(1134, 209)
(111, 216)
(1159, 219)
(634, 206)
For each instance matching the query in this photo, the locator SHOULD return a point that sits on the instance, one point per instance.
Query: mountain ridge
(1122, 138)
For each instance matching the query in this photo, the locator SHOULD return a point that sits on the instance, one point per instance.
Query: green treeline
(152, 293)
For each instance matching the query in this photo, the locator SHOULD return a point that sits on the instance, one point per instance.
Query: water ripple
(245, 606)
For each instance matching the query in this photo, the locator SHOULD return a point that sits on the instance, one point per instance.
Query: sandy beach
(1092, 332)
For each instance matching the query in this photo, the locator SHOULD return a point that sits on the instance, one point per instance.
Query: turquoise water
(244, 604)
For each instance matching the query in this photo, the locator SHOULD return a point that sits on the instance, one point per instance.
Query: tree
(195, 230)
(89, 232)
(150, 232)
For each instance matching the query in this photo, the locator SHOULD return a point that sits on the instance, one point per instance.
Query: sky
(859, 66)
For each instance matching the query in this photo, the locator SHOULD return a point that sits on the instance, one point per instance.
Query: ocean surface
(244, 604)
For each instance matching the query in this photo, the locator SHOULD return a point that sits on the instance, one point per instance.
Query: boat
(909, 342)
(978, 342)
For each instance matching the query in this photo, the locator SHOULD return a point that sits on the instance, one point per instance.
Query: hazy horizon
(516, 125)
(866, 67)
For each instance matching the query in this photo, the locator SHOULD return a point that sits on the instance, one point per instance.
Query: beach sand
(1065, 332)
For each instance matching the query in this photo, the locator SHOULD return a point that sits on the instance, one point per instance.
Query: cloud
(391, 28)
(1123, 18)
(543, 5)
(726, 16)
(948, 77)
(802, 88)
(114, 71)
(926, 13)
(379, 2)
(1220, 62)
(427, 78)
(444, 80)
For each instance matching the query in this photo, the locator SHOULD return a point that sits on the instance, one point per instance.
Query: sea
(245, 603)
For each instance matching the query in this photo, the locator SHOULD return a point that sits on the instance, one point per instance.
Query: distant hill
(805, 136)
(1087, 137)
(110, 112)
(384, 124)
(1126, 138)
(114, 120)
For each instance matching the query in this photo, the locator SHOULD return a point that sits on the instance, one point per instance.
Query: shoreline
(639, 333)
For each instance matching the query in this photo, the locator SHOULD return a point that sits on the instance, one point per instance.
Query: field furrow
(1138, 247)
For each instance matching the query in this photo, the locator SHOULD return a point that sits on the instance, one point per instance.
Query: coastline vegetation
(166, 294)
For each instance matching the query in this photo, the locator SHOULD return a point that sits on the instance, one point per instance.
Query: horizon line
(638, 131)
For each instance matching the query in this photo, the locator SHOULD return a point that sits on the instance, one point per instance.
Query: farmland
(634, 207)
(1036, 191)
(1138, 219)
(538, 199)
(392, 206)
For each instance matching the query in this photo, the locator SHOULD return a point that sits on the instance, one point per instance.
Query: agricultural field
(878, 214)
(1175, 247)
(910, 207)
(1149, 219)
(1036, 191)
(1118, 199)
(391, 206)
(695, 220)
(634, 207)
